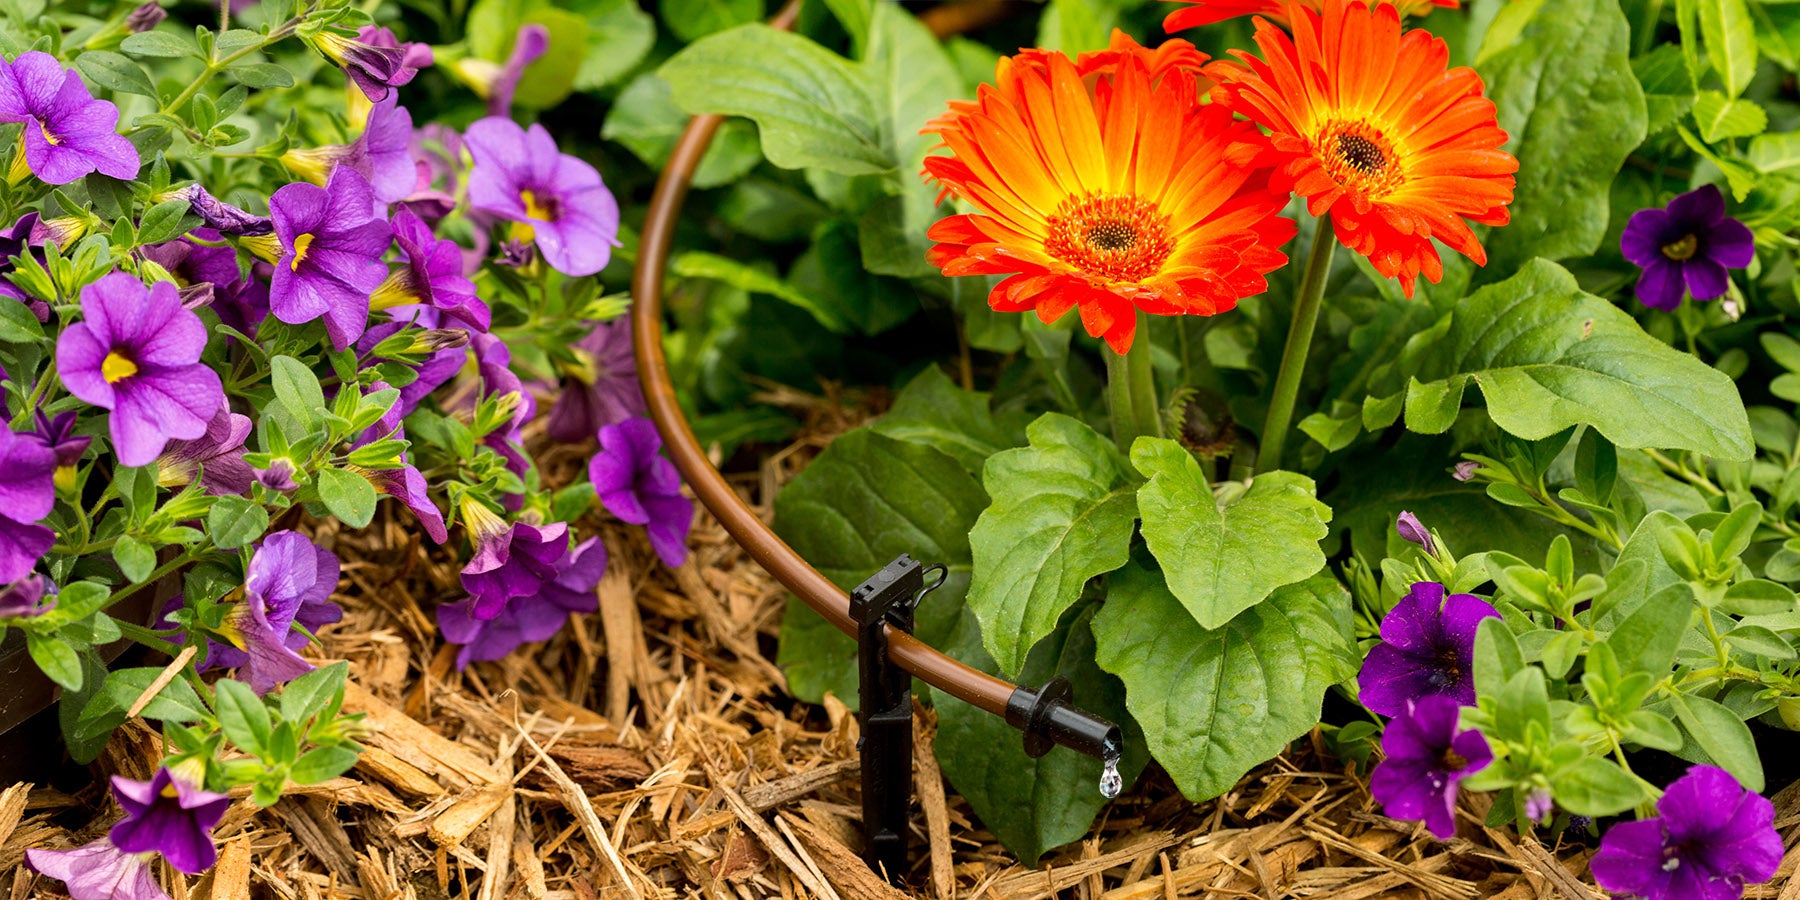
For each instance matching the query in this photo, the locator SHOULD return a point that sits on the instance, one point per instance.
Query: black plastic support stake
(885, 709)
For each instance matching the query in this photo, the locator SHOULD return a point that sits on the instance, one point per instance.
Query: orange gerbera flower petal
(1206, 12)
(1371, 126)
(1104, 184)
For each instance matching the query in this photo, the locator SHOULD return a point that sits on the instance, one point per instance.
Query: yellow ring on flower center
(117, 367)
(1110, 237)
(1682, 250)
(301, 245)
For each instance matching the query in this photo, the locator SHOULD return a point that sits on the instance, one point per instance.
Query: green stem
(1131, 389)
(156, 575)
(1299, 343)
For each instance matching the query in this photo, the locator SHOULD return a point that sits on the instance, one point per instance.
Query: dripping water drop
(1110, 781)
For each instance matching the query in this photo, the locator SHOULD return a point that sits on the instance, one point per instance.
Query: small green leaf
(1722, 119)
(160, 45)
(711, 266)
(1219, 563)
(261, 75)
(115, 73)
(1647, 638)
(1760, 641)
(308, 695)
(1730, 42)
(1722, 736)
(1062, 513)
(1652, 730)
(176, 702)
(236, 521)
(1596, 787)
(243, 716)
(321, 764)
(166, 221)
(932, 411)
(348, 495)
(135, 558)
(1757, 597)
(56, 658)
(18, 325)
(297, 389)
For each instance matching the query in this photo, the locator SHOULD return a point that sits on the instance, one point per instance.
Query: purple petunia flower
(28, 597)
(289, 582)
(639, 486)
(217, 455)
(604, 388)
(531, 43)
(1413, 531)
(1711, 837)
(1426, 759)
(554, 199)
(245, 304)
(59, 436)
(528, 618)
(438, 170)
(511, 560)
(1686, 247)
(67, 132)
(375, 60)
(219, 215)
(330, 247)
(169, 816)
(98, 871)
(1427, 649)
(405, 484)
(27, 478)
(201, 271)
(431, 274)
(137, 352)
(382, 154)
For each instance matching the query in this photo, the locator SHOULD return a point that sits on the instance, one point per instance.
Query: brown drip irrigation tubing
(769, 550)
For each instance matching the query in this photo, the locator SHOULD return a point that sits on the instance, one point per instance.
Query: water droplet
(1110, 781)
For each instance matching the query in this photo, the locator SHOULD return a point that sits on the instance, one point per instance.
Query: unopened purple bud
(222, 216)
(1537, 804)
(1465, 470)
(28, 597)
(145, 17)
(1413, 531)
(516, 253)
(279, 476)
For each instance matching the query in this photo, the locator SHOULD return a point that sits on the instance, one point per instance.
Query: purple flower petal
(1661, 286)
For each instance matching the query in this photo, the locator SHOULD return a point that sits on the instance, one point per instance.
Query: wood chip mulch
(650, 751)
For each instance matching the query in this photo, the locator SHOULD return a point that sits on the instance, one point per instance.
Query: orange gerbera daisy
(1373, 127)
(1105, 185)
(1206, 12)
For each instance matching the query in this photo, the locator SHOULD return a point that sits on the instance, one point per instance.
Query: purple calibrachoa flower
(1426, 759)
(1427, 649)
(431, 274)
(329, 245)
(137, 352)
(27, 493)
(639, 486)
(374, 60)
(382, 154)
(1709, 839)
(30, 596)
(529, 618)
(169, 816)
(15, 241)
(493, 362)
(1413, 531)
(603, 389)
(438, 171)
(202, 272)
(511, 559)
(67, 132)
(531, 43)
(217, 455)
(59, 436)
(1686, 248)
(289, 582)
(98, 871)
(552, 198)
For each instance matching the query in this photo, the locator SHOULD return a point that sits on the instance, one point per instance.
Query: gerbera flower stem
(1299, 343)
(1131, 390)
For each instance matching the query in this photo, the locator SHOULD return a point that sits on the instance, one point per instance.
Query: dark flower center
(50, 138)
(1110, 237)
(1452, 761)
(1448, 672)
(544, 209)
(1360, 153)
(1682, 250)
(1114, 235)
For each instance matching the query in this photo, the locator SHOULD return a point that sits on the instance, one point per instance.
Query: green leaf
(165, 221)
(56, 657)
(236, 521)
(1561, 76)
(865, 500)
(911, 77)
(176, 702)
(135, 558)
(692, 20)
(1031, 805)
(348, 495)
(321, 764)
(1647, 638)
(711, 266)
(89, 715)
(1730, 42)
(1760, 641)
(549, 80)
(932, 411)
(855, 16)
(1214, 704)
(1219, 563)
(1668, 88)
(1722, 119)
(832, 271)
(261, 75)
(1596, 787)
(159, 44)
(1062, 513)
(242, 716)
(619, 34)
(18, 325)
(115, 73)
(1548, 356)
(308, 695)
(814, 109)
(1722, 736)
(297, 389)
(645, 120)
(1074, 26)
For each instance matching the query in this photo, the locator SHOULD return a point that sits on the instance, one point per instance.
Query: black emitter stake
(890, 597)
(884, 709)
